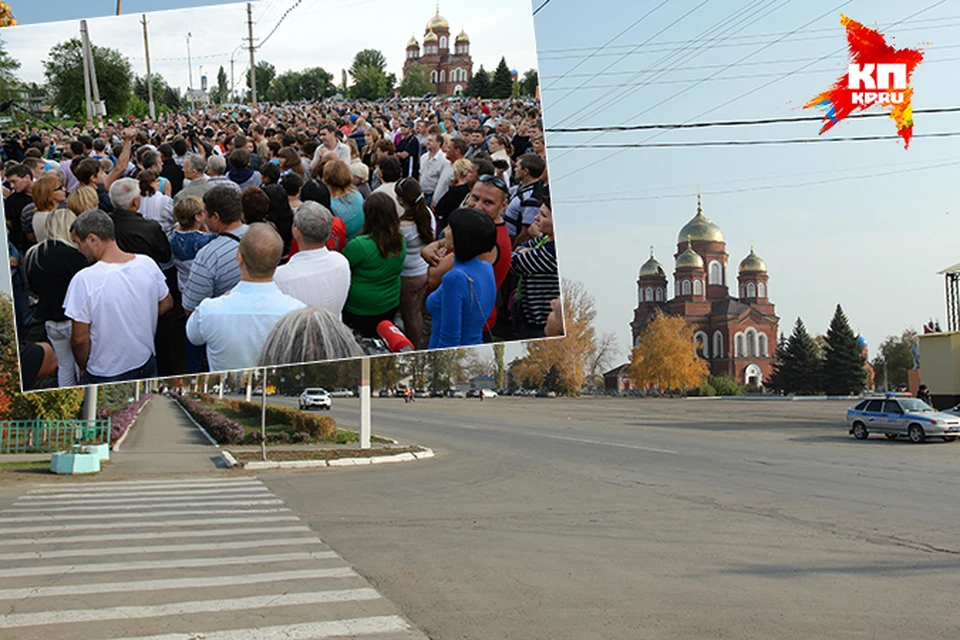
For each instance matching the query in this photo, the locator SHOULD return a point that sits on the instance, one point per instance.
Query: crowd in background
(212, 241)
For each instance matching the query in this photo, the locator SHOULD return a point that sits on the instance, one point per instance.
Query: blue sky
(872, 243)
(865, 224)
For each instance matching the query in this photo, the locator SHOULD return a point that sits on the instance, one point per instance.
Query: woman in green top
(376, 260)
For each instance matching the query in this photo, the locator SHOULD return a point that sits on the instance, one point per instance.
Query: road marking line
(128, 613)
(108, 508)
(129, 496)
(375, 625)
(175, 583)
(178, 563)
(610, 444)
(150, 549)
(141, 514)
(152, 535)
(110, 487)
(146, 525)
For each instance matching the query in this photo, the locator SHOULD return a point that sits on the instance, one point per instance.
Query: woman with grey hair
(308, 335)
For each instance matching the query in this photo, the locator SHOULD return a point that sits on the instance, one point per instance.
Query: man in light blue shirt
(235, 326)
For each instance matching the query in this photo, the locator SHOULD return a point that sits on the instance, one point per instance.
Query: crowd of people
(215, 241)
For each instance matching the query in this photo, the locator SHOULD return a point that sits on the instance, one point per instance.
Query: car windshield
(912, 404)
(315, 392)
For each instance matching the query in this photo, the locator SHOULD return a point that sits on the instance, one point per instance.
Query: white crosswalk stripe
(154, 560)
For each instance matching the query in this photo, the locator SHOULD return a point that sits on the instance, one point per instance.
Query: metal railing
(40, 436)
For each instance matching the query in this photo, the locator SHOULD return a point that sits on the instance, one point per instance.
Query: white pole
(136, 390)
(249, 386)
(365, 403)
(220, 394)
(86, 69)
(263, 417)
(146, 51)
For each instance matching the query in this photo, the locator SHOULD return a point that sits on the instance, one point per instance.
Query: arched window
(442, 74)
(649, 294)
(762, 338)
(739, 343)
(698, 287)
(659, 294)
(443, 43)
(751, 290)
(717, 344)
(685, 287)
(716, 273)
(751, 339)
(700, 340)
(433, 76)
(761, 290)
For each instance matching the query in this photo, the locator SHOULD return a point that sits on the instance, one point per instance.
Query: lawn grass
(25, 465)
(251, 425)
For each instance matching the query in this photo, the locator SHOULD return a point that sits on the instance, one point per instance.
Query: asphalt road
(626, 518)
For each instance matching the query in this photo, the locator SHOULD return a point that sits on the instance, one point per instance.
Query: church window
(717, 344)
(649, 294)
(700, 340)
(442, 73)
(763, 345)
(761, 290)
(443, 43)
(739, 343)
(659, 294)
(751, 290)
(685, 287)
(743, 291)
(433, 76)
(751, 339)
(698, 287)
(716, 273)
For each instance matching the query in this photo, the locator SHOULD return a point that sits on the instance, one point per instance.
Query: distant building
(737, 336)
(617, 379)
(482, 382)
(447, 61)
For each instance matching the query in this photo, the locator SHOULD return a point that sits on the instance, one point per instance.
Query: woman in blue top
(467, 293)
(345, 201)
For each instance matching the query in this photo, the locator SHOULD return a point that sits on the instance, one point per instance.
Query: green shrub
(725, 386)
(705, 390)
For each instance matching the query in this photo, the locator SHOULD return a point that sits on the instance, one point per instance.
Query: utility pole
(146, 49)
(98, 108)
(253, 66)
(86, 69)
(119, 2)
(189, 63)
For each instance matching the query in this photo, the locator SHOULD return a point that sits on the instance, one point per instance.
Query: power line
(736, 123)
(744, 143)
(279, 22)
(538, 9)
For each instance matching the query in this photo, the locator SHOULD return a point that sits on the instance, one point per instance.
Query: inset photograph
(169, 211)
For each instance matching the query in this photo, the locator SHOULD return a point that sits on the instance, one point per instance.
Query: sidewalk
(163, 441)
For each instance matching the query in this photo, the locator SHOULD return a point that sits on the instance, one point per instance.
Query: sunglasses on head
(497, 182)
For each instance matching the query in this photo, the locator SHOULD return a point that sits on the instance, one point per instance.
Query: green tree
(416, 82)
(778, 379)
(63, 69)
(163, 94)
(501, 86)
(501, 371)
(266, 72)
(529, 82)
(384, 372)
(368, 58)
(370, 79)
(799, 367)
(316, 83)
(8, 78)
(285, 86)
(222, 91)
(843, 372)
(479, 86)
(895, 358)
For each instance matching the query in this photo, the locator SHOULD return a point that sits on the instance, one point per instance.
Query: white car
(311, 398)
(341, 393)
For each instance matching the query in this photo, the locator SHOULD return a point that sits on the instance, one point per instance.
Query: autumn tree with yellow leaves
(665, 356)
(6, 16)
(571, 356)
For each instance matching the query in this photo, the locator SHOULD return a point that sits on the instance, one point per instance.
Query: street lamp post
(189, 63)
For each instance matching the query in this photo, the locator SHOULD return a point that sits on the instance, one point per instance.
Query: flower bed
(122, 419)
(299, 422)
(220, 428)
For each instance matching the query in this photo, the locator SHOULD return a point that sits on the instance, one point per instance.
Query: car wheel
(916, 434)
(949, 438)
(892, 436)
(860, 431)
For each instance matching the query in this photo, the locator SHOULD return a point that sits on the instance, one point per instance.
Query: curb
(341, 462)
(116, 445)
(225, 455)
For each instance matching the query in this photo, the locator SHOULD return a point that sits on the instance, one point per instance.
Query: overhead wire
(746, 143)
(540, 8)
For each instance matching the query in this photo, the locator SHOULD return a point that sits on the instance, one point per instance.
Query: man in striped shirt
(215, 270)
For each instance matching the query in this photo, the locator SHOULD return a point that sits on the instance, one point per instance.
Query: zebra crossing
(192, 559)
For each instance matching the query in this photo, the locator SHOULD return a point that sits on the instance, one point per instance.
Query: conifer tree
(502, 84)
(799, 368)
(479, 86)
(843, 372)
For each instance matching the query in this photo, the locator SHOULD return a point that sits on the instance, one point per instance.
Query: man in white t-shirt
(114, 305)
(432, 165)
(329, 142)
(314, 275)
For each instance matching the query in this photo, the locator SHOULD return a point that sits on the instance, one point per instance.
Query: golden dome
(753, 264)
(651, 267)
(413, 42)
(689, 258)
(463, 37)
(430, 37)
(700, 229)
(438, 22)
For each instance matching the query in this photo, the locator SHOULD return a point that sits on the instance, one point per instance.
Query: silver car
(895, 416)
(311, 398)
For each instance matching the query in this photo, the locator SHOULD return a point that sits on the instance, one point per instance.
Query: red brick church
(736, 335)
(447, 59)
